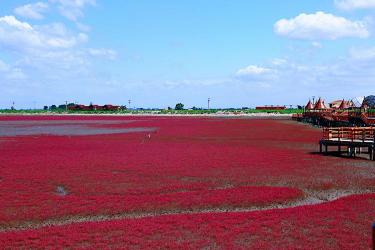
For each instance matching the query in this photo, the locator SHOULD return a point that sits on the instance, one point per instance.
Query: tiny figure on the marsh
(61, 191)
(147, 137)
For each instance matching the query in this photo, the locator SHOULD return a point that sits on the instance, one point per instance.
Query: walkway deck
(352, 140)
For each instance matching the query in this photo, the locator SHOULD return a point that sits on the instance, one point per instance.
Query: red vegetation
(187, 164)
(343, 224)
(52, 206)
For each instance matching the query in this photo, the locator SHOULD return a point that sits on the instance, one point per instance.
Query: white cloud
(320, 26)
(278, 61)
(32, 11)
(353, 76)
(21, 36)
(16, 74)
(195, 82)
(106, 53)
(11, 73)
(354, 4)
(50, 57)
(50, 51)
(3, 66)
(363, 53)
(317, 45)
(257, 75)
(73, 9)
(11, 21)
(83, 27)
(252, 70)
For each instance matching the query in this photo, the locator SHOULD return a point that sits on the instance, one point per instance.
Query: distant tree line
(80, 107)
(59, 107)
(91, 107)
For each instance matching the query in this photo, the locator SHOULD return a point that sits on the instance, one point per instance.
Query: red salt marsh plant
(342, 224)
(186, 164)
(63, 205)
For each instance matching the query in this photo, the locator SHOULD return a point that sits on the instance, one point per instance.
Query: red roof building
(337, 104)
(111, 107)
(344, 105)
(320, 105)
(107, 107)
(309, 106)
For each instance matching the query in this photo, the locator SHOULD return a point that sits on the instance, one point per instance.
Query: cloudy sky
(157, 53)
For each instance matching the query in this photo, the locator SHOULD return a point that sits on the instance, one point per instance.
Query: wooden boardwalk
(349, 140)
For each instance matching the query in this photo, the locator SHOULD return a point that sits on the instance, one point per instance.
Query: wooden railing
(358, 112)
(363, 134)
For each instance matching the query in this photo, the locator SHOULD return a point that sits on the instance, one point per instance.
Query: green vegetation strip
(152, 111)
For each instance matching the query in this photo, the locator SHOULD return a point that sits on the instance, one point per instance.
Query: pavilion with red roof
(309, 106)
(320, 105)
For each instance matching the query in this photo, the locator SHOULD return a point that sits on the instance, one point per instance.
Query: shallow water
(63, 122)
(65, 128)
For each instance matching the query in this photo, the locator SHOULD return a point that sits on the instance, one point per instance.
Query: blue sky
(157, 53)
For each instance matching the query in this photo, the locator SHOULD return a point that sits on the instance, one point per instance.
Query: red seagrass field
(178, 183)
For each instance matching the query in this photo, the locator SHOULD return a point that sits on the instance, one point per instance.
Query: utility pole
(208, 103)
(129, 101)
(66, 105)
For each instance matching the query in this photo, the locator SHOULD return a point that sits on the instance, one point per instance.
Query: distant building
(339, 104)
(369, 102)
(319, 105)
(107, 107)
(309, 106)
(111, 107)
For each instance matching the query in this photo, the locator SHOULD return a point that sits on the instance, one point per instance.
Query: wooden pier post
(371, 153)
